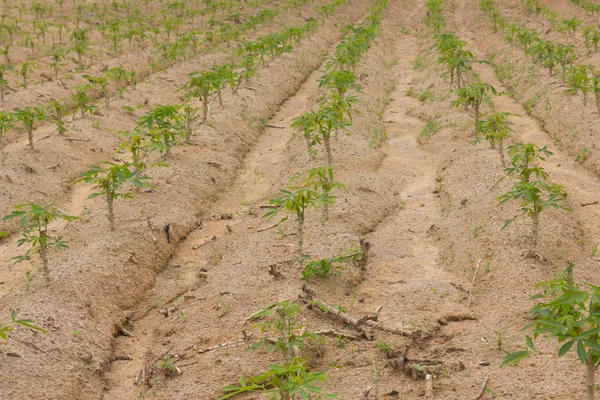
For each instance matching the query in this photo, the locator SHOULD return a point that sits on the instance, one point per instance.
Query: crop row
(184, 47)
(313, 189)
(591, 34)
(583, 79)
(565, 311)
(159, 130)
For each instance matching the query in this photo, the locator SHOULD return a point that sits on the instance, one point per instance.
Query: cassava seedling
(6, 124)
(27, 117)
(134, 143)
(190, 116)
(474, 95)
(101, 83)
(164, 123)
(206, 86)
(109, 181)
(495, 129)
(307, 124)
(58, 112)
(578, 79)
(35, 219)
(79, 37)
(296, 199)
(326, 266)
(341, 81)
(4, 68)
(569, 313)
(535, 194)
(7, 328)
(58, 55)
(324, 181)
(292, 380)
(25, 70)
(82, 99)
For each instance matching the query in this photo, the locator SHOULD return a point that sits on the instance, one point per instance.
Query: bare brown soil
(428, 207)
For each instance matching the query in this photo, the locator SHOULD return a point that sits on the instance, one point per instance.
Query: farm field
(299, 199)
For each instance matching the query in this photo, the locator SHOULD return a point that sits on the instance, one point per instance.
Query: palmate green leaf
(592, 344)
(25, 322)
(530, 343)
(514, 358)
(565, 348)
(581, 353)
(572, 297)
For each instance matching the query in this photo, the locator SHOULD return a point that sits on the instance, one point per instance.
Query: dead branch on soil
(590, 203)
(267, 228)
(150, 228)
(482, 391)
(337, 313)
(221, 346)
(391, 329)
(473, 283)
(429, 386)
(204, 242)
(365, 394)
(337, 334)
(125, 332)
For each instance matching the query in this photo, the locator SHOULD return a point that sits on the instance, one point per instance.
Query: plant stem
(30, 136)
(300, 239)
(328, 149)
(476, 118)
(535, 218)
(205, 106)
(111, 217)
(501, 150)
(44, 255)
(590, 369)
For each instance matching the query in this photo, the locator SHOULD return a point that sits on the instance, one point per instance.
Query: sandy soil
(428, 208)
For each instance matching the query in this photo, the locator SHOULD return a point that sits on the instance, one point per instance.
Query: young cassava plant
(295, 200)
(6, 124)
(324, 181)
(291, 380)
(474, 95)
(27, 117)
(495, 129)
(164, 123)
(35, 219)
(6, 328)
(58, 111)
(569, 313)
(531, 187)
(109, 181)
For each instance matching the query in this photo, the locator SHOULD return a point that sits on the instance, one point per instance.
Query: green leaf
(565, 348)
(529, 343)
(591, 344)
(581, 352)
(514, 358)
